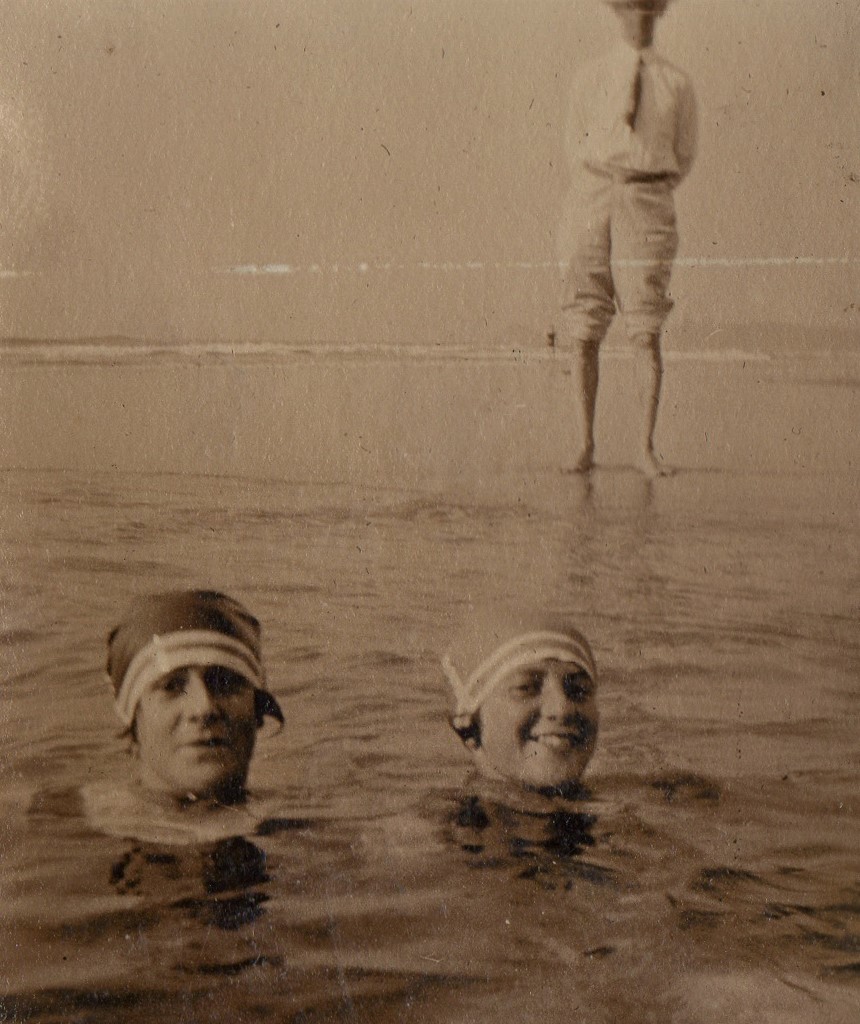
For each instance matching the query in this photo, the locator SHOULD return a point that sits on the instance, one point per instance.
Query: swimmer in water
(526, 700)
(190, 690)
(189, 687)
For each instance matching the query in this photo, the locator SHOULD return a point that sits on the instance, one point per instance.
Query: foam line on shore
(76, 352)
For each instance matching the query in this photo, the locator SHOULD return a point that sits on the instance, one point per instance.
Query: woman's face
(539, 725)
(195, 733)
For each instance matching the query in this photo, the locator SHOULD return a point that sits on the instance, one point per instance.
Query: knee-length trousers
(618, 240)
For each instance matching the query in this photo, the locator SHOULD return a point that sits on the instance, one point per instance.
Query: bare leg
(649, 379)
(586, 374)
(588, 303)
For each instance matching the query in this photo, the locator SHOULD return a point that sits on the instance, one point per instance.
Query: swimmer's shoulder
(413, 835)
(124, 810)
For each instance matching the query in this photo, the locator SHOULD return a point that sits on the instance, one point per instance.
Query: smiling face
(539, 724)
(195, 731)
(638, 22)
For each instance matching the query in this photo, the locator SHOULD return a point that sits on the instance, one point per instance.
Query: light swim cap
(496, 642)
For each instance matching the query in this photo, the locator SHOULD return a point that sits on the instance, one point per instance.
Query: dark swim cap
(164, 632)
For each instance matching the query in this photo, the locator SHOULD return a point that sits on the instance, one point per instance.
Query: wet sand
(485, 423)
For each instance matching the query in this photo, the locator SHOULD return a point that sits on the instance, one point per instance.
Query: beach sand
(445, 423)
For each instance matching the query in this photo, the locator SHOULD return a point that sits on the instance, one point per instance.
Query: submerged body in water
(629, 901)
(621, 900)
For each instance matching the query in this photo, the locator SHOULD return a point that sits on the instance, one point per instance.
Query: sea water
(709, 873)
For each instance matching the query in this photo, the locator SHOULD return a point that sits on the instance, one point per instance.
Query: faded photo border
(280, 314)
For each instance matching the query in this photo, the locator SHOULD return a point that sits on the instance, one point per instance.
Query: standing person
(631, 140)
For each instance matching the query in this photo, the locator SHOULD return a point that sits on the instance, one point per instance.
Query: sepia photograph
(429, 547)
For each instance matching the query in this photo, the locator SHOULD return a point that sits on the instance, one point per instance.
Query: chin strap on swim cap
(463, 721)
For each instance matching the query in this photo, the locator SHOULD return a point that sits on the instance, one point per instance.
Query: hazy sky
(392, 170)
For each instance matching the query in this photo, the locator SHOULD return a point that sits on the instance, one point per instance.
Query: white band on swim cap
(510, 656)
(170, 651)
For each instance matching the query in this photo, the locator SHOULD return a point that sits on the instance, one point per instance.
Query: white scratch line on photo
(447, 266)
(769, 261)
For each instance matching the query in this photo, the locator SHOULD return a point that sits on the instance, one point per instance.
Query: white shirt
(664, 141)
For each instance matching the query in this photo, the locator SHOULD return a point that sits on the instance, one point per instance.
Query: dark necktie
(635, 96)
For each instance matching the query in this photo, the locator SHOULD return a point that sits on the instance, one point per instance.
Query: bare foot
(652, 467)
(585, 462)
